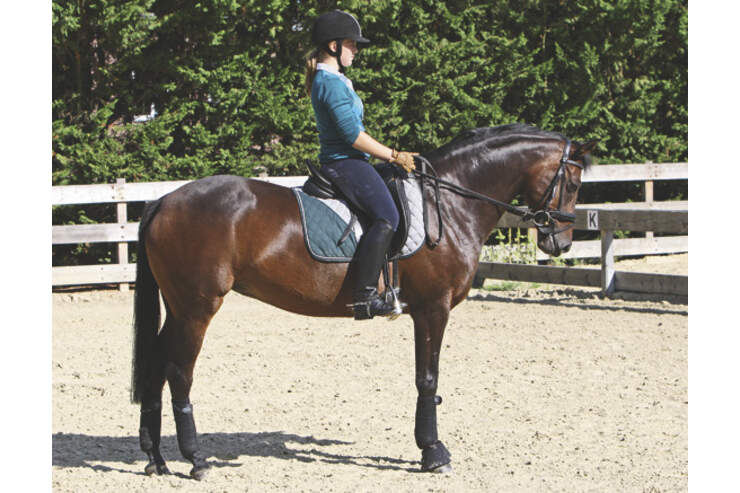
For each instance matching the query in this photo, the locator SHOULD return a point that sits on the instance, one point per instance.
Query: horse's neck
(477, 218)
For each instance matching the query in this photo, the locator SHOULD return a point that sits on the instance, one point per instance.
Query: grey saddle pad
(324, 221)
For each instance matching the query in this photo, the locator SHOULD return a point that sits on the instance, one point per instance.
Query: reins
(543, 217)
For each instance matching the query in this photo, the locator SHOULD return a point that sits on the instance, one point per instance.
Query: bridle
(544, 217)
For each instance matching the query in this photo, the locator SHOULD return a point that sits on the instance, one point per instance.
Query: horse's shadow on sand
(574, 298)
(78, 450)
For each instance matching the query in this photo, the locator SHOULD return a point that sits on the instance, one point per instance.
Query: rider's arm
(367, 144)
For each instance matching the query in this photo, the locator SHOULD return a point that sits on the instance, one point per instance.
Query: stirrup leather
(392, 289)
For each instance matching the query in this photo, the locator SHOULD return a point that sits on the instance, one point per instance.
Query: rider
(345, 148)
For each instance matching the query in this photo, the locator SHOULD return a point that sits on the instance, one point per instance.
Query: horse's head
(551, 189)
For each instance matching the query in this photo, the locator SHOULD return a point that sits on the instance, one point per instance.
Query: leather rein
(544, 218)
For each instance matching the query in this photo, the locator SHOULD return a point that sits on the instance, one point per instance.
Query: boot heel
(361, 310)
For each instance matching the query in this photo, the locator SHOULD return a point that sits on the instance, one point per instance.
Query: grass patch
(510, 246)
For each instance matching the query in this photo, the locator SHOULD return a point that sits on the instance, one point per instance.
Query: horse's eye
(571, 187)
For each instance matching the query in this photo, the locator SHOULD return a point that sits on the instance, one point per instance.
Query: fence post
(607, 262)
(121, 219)
(649, 198)
(532, 238)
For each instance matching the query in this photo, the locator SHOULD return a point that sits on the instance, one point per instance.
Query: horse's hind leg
(183, 338)
(150, 423)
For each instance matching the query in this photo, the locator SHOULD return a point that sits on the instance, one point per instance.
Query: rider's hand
(404, 159)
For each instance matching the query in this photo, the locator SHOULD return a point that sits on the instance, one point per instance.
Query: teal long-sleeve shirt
(339, 112)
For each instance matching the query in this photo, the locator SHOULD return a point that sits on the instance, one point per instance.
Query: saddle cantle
(323, 208)
(318, 185)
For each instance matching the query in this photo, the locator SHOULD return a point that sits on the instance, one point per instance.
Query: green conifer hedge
(225, 80)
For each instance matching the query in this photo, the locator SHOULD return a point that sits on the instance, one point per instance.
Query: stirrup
(365, 310)
(391, 296)
(369, 304)
(385, 305)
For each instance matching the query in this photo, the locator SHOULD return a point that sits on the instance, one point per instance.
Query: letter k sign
(592, 222)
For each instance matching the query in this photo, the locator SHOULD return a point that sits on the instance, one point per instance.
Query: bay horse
(224, 233)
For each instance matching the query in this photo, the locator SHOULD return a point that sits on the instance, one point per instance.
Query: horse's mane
(468, 146)
(495, 137)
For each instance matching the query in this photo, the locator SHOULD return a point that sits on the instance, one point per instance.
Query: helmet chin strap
(338, 53)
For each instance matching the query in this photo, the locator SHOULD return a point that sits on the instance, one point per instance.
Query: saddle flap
(393, 176)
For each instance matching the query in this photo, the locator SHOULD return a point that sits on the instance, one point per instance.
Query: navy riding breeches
(361, 184)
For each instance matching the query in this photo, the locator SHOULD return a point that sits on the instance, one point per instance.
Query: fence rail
(610, 280)
(646, 216)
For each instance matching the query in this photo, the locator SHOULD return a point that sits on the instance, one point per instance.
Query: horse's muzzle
(551, 245)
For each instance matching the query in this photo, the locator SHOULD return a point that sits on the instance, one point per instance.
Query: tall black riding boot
(370, 258)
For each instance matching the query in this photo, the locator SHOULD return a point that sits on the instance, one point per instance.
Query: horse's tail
(146, 312)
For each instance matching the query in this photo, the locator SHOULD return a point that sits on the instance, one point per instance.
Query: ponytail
(312, 59)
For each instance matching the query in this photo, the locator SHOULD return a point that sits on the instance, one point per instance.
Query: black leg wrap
(434, 456)
(185, 425)
(150, 426)
(425, 430)
(187, 439)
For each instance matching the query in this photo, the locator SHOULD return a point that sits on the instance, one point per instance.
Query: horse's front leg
(429, 326)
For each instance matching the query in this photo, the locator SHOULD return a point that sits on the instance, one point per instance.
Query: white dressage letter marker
(593, 221)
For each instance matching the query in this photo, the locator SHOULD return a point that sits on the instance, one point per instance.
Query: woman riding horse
(345, 148)
(229, 233)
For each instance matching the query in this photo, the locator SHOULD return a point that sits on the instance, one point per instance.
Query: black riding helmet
(336, 26)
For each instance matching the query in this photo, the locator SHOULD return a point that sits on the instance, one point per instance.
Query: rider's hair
(312, 59)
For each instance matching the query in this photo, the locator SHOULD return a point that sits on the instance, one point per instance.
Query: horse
(224, 233)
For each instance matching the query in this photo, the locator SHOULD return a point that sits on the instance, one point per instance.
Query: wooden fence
(646, 216)
(606, 221)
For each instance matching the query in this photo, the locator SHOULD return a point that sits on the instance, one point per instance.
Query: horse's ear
(582, 150)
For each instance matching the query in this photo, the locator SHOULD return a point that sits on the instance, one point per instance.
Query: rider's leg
(370, 257)
(362, 185)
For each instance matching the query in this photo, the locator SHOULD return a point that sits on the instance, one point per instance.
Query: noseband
(544, 217)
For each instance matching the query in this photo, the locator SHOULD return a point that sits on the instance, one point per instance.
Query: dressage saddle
(321, 186)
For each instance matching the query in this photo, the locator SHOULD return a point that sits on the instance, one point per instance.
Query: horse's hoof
(154, 468)
(435, 458)
(444, 469)
(198, 473)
